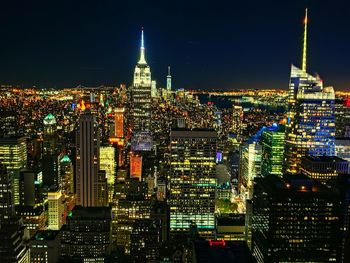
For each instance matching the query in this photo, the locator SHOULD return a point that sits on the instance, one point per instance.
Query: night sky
(208, 44)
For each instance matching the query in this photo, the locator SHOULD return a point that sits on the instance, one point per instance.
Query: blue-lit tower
(310, 129)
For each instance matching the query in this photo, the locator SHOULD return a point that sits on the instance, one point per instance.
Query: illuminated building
(310, 129)
(154, 89)
(108, 163)
(249, 166)
(87, 162)
(34, 217)
(87, 235)
(7, 207)
(66, 178)
(272, 142)
(142, 141)
(56, 210)
(342, 117)
(324, 168)
(8, 123)
(136, 166)
(12, 245)
(295, 219)
(30, 208)
(44, 247)
(50, 152)
(192, 181)
(161, 190)
(145, 239)
(66, 184)
(119, 123)
(237, 121)
(13, 154)
(141, 93)
(342, 148)
(130, 211)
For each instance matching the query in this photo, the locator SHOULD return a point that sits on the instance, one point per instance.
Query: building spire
(168, 80)
(142, 50)
(305, 42)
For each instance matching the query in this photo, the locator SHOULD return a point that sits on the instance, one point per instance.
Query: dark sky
(209, 44)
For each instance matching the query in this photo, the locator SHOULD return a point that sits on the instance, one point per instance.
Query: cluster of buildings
(145, 174)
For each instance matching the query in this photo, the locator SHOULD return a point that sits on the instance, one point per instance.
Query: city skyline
(235, 47)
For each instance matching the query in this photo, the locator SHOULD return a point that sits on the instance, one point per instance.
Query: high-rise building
(342, 117)
(13, 248)
(56, 210)
(141, 93)
(87, 235)
(7, 208)
(136, 166)
(295, 219)
(119, 123)
(324, 168)
(310, 129)
(237, 121)
(154, 89)
(50, 152)
(145, 239)
(27, 188)
(249, 166)
(13, 154)
(272, 142)
(66, 178)
(45, 247)
(130, 208)
(12, 232)
(192, 181)
(102, 189)
(87, 163)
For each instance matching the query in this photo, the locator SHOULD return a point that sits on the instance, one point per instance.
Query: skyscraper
(56, 210)
(237, 117)
(50, 152)
(141, 93)
(295, 219)
(13, 154)
(249, 166)
(192, 181)
(310, 129)
(272, 151)
(87, 163)
(7, 208)
(87, 236)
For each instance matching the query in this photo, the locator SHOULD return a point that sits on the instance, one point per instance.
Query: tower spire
(305, 42)
(142, 59)
(168, 80)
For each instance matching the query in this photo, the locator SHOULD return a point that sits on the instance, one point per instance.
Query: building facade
(192, 181)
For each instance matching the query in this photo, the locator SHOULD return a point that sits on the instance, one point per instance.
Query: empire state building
(141, 93)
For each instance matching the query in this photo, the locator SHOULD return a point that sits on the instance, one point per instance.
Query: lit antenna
(305, 42)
